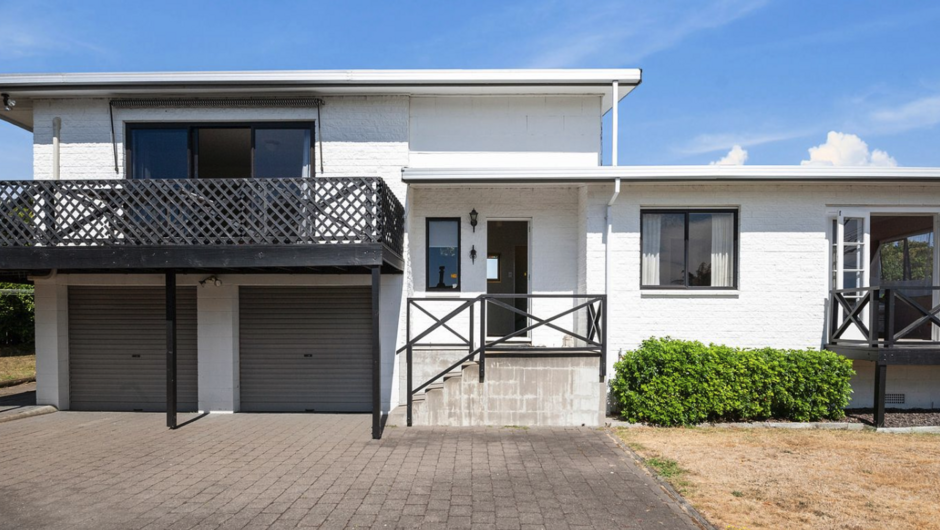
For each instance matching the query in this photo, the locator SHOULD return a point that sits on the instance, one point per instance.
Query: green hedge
(16, 316)
(675, 382)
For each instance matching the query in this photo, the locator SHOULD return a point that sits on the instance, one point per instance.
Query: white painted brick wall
(783, 266)
(553, 216)
(503, 131)
(362, 136)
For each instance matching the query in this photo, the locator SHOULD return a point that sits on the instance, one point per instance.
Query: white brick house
(279, 280)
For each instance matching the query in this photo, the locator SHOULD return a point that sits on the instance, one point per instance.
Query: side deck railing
(200, 212)
(871, 315)
(592, 342)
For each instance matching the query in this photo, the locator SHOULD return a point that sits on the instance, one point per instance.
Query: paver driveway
(125, 470)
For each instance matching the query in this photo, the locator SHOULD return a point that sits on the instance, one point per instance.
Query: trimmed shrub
(675, 382)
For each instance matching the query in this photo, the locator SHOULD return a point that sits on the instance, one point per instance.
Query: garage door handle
(308, 355)
(135, 355)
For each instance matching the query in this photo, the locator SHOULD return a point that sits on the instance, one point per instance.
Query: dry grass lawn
(17, 367)
(775, 478)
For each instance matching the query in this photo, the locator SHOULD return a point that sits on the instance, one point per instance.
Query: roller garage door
(305, 349)
(117, 348)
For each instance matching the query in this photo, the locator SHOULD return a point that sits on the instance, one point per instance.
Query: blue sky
(773, 77)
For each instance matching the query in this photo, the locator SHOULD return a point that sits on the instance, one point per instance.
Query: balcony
(334, 225)
(888, 325)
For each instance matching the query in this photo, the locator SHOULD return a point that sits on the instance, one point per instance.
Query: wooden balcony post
(880, 384)
(376, 356)
(171, 349)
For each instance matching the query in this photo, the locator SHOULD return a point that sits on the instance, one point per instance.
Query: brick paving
(126, 471)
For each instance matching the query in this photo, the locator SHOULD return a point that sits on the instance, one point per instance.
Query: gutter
(669, 174)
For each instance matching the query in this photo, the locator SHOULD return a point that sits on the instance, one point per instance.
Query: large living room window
(688, 249)
(219, 150)
(443, 244)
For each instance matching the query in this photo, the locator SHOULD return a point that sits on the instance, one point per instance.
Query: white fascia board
(418, 80)
(676, 174)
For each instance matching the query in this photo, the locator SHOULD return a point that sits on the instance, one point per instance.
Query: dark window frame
(687, 212)
(427, 255)
(192, 127)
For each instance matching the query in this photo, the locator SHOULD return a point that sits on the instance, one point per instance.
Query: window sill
(683, 293)
(442, 294)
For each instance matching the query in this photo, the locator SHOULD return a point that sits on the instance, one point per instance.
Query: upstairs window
(689, 249)
(216, 150)
(443, 264)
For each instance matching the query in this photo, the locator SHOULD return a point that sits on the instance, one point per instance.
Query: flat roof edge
(340, 77)
(674, 174)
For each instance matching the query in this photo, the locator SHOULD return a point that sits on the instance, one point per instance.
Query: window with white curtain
(688, 249)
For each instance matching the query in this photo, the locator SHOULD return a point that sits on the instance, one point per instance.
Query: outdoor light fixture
(8, 103)
(473, 219)
(211, 280)
(473, 253)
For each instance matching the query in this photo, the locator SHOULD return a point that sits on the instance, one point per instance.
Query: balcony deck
(863, 325)
(311, 225)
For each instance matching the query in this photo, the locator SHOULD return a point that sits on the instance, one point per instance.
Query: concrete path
(125, 470)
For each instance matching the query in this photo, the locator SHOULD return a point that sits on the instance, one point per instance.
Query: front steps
(519, 390)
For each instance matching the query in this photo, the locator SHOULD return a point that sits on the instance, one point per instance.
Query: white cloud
(709, 143)
(631, 31)
(917, 114)
(843, 149)
(735, 157)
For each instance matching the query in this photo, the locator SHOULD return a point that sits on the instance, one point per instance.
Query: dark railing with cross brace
(200, 212)
(592, 342)
(884, 317)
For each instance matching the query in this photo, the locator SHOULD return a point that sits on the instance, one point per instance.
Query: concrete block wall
(783, 267)
(543, 391)
(518, 391)
(505, 131)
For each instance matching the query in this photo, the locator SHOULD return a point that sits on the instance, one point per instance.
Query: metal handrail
(597, 327)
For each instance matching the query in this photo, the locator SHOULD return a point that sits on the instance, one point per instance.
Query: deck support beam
(880, 384)
(376, 356)
(171, 349)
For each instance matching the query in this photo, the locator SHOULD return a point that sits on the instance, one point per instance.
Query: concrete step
(419, 413)
(471, 412)
(453, 401)
(434, 402)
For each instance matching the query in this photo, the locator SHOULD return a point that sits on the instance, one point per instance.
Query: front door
(507, 273)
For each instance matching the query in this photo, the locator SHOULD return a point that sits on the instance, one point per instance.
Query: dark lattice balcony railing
(191, 212)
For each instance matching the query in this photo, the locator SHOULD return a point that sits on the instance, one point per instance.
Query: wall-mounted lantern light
(473, 219)
(473, 254)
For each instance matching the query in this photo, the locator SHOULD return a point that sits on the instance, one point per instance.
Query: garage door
(117, 348)
(305, 349)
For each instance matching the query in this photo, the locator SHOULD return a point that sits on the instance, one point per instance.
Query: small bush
(675, 382)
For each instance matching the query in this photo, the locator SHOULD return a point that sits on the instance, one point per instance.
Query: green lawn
(17, 367)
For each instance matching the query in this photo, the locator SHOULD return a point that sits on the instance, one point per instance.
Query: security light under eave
(8, 103)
